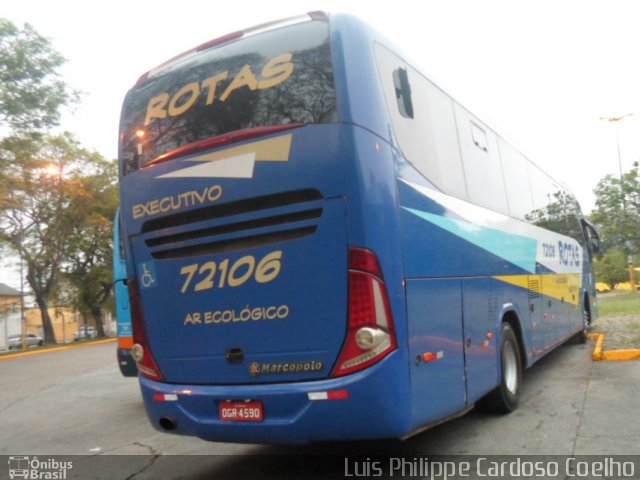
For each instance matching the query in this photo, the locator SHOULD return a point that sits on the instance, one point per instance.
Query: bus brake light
(370, 335)
(141, 351)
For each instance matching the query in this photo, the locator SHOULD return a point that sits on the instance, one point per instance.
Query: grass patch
(615, 304)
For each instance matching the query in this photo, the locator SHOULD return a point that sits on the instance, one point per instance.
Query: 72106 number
(208, 275)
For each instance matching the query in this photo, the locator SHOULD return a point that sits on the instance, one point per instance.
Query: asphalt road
(75, 402)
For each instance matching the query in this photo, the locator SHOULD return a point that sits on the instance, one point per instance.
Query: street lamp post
(616, 120)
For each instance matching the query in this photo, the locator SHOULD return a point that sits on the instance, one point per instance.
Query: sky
(541, 72)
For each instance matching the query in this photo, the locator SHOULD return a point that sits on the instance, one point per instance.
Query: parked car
(85, 332)
(15, 341)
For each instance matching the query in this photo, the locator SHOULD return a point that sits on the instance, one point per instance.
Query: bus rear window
(279, 77)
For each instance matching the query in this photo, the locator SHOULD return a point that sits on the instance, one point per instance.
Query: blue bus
(323, 244)
(123, 313)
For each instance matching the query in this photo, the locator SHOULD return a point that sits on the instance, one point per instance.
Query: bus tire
(504, 399)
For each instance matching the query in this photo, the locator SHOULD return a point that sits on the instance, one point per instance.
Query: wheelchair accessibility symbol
(147, 275)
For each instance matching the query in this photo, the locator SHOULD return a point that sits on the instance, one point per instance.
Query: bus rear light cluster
(370, 334)
(141, 352)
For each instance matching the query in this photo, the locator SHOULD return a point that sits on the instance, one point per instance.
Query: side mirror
(403, 92)
(592, 235)
(595, 242)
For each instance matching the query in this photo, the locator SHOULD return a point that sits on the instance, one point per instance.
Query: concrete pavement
(75, 402)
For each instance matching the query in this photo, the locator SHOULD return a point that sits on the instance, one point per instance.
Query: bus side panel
(485, 302)
(562, 314)
(483, 299)
(436, 356)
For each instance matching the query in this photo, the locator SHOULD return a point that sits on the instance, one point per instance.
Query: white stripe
(240, 166)
(476, 215)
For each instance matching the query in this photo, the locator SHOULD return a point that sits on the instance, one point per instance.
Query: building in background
(65, 322)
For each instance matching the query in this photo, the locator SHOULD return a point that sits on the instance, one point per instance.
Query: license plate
(242, 411)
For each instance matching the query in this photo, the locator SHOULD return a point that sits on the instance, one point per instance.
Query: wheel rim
(510, 368)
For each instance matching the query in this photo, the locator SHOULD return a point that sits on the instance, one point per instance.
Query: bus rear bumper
(375, 405)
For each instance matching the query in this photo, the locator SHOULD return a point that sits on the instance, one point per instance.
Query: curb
(611, 355)
(55, 349)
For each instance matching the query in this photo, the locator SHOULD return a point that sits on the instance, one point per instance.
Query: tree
(46, 203)
(617, 213)
(611, 268)
(31, 92)
(90, 245)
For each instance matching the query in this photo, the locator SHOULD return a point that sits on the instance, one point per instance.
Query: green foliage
(90, 245)
(58, 199)
(617, 213)
(611, 268)
(31, 92)
(561, 215)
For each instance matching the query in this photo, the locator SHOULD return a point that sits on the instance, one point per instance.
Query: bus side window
(403, 92)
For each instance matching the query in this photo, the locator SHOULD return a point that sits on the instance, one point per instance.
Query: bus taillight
(141, 352)
(370, 335)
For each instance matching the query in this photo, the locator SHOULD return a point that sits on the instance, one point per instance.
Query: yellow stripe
(273, 150)
(615, 355)
(40, 351)
(521, 281)
(564, 287)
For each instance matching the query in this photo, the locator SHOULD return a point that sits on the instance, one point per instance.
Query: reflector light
(331, 395)
(318, 395)
(338, 395)
(165, 397)
(431, 356)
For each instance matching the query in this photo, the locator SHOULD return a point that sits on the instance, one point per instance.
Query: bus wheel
(504, 399)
